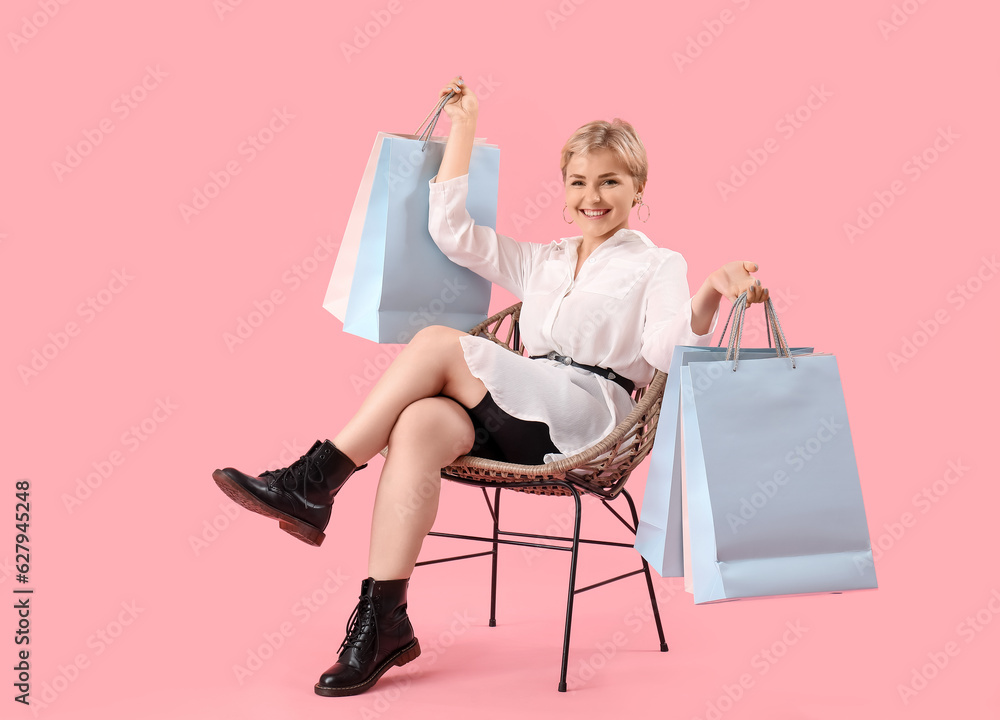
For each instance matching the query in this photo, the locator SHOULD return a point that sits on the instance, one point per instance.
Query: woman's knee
(443, 343)
(437, 425)
(437, 334)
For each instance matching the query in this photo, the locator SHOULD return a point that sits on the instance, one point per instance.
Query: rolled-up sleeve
(498, 258)
(668, 314)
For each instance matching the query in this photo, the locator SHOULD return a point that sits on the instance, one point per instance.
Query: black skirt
(501, 436)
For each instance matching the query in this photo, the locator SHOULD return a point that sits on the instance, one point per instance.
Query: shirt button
(591, 259)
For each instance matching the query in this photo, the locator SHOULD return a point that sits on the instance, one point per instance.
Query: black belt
(605, 372)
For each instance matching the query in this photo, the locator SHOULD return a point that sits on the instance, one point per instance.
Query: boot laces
(301, 466)
(358, 623)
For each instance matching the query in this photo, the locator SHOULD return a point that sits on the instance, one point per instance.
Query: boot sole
(293, 526)
(403, 655)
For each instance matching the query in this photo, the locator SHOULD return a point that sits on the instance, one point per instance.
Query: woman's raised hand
(733, 278)
(463, 106)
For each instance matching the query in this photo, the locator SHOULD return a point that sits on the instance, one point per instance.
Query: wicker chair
(600, 470)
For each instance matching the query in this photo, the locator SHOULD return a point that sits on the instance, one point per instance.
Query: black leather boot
(299, 496)
(381, 637)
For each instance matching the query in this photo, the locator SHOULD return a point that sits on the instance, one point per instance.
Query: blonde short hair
(618, 136)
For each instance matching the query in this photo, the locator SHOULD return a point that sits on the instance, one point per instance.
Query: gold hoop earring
(569, 222)
(639, 206)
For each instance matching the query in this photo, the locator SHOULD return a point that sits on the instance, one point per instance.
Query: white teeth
(590, 213)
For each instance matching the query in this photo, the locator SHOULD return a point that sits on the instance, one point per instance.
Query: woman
(609, 303)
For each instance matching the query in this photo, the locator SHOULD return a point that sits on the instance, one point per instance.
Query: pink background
(541, 69)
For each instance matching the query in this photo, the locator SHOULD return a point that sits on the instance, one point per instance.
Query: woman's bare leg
(431, 364)
(429, 434)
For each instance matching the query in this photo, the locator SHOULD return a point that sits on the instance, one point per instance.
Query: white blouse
(628, 307)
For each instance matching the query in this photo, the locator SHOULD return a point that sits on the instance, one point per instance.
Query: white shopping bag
(772, 490)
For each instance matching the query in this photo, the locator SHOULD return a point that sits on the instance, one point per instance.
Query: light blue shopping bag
(659, 534)
(391, 279)
(773, 494)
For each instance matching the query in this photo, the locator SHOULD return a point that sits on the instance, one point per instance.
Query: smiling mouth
(595, 213)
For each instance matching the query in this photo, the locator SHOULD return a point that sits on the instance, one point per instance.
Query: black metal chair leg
(649, 579)
(572, 588)
(656, 611)
(496, 546)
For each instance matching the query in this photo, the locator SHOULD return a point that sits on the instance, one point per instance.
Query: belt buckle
(564, 359)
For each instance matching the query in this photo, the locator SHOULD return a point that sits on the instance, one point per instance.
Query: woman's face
(599, 181)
